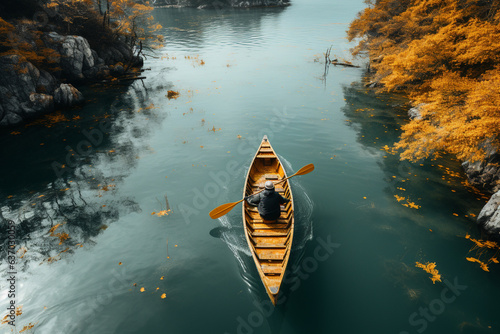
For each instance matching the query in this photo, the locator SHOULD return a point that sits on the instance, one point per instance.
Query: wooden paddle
(225, 208)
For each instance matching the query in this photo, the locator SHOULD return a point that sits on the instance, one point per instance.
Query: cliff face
(27, 91)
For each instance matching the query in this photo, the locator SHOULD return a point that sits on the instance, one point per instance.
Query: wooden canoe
(270, 242)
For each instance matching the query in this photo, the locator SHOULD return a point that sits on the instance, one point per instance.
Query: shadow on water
(81, 157)
(431, 185)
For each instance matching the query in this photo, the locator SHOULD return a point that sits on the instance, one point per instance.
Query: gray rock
(117, 70)
(98, 60)
(489, 218)
(112, 55)
(415, 112)
(485, 174)
(10, 119)
(41, 103)
(66, 96)
(76, 55)
(46, 83)
(18, 77)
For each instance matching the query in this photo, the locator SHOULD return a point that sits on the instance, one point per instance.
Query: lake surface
(101, 171)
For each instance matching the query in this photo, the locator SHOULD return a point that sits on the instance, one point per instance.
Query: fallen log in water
(335, 62)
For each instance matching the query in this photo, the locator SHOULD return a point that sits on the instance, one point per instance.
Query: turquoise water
(131, 151)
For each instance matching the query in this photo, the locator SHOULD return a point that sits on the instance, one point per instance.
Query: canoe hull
(270, 242)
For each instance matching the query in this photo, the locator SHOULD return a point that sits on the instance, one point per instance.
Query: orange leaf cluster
(171, 94)
(14, 40)
(161, 213)
(483, 265)
(430, 268)
(484, 247)
(445, 54)
(62, 236)
(27, 327)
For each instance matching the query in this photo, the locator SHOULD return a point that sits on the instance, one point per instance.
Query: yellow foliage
(430, 268)
(171, 94)
(399, 198)
(483, 265)
(161, 213)
(444, 54)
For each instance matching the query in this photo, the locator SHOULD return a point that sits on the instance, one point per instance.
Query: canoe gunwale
(269, 263)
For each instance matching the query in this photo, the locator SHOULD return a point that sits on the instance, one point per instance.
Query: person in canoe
(268, 202)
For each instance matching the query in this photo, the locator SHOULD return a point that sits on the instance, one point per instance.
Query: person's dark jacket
(268, 203)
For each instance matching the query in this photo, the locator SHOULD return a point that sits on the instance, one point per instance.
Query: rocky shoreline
(484, 175)
(26, 92)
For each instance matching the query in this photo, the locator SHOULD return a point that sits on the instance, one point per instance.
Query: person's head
(269, 185)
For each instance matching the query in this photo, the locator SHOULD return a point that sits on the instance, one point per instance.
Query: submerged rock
(67, 95)
(489, 218)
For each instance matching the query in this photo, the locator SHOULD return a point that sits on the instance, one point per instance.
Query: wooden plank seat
(255, 209)
(270, 254)
(272, 270)
(266, 156)
(269, 245)
(261, 185)
(270, 233)
(259, 226)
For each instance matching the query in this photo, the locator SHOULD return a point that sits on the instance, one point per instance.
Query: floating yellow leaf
(483, 265)
(399, 198)
(430, 268)
(161, 213)
(172, 94)
(142, 290)
(163, 296)
(28, 326)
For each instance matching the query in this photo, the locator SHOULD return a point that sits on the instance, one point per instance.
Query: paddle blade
(222, 210)
(305, 170)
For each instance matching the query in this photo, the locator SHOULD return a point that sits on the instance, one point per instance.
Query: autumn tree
(445, 55)
(101, 23)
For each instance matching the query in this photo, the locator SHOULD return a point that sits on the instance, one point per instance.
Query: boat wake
(232, 233)
(303, 210)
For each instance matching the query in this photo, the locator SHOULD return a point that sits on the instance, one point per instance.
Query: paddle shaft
(225, 208)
